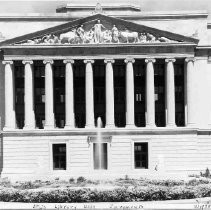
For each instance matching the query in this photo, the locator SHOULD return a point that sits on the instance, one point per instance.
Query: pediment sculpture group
(96, 35)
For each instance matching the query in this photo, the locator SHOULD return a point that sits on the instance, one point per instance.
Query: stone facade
(148, 80)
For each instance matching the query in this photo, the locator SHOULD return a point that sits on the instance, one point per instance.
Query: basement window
(141, 155)
(59, 156)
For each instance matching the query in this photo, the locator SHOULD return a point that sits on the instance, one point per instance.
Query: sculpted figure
(143, 38)
(89, 36)
(163, 39)
(69, 37)
(98, 32)
(150, 38)
(80, 32)
(56, 39)
(115, 34)
(29, 42)
(34, 41)
(46, 39)
(127, 36)
(107, 36)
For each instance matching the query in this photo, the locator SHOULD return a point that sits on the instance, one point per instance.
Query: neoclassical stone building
(147, 76)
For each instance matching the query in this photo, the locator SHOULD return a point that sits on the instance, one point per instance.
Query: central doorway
(100, 163)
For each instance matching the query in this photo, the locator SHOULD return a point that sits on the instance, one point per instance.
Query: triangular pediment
(99, 29)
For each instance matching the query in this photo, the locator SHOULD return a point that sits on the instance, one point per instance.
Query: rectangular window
(138, 97)
(156, 97)
(141, 155)
(100, 156)
(43, 98)
(59, 156)
(62, 98)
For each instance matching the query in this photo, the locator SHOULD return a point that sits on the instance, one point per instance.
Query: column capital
(48, 61)
(167, 60)
(109, 61)
(27, 62)
(192, 59)
(129, 60)
(147, 60)
(7, 62)
(89, 61)
(68, 61)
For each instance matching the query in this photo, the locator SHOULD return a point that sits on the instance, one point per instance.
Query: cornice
(113, 132)
(109, 132)
(100, 45)
(136, 50)
(80, 14)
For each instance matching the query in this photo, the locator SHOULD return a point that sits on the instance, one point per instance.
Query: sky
(49, 6)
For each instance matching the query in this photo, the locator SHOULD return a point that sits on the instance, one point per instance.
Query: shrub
(71, 180)
(117, 195)
(5, 182)
(194, 182)
(206, 174)
(27, 185)
(81, 179)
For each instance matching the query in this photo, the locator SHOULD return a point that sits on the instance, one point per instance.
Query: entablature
(100, 51)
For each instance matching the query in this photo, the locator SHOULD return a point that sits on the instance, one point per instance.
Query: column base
(49, 127)
(8, 129)
(191, 125)
(110, 126)
(28, 127)
(89, 126)
(151, 126)
(171, 126)
(69, 127)
(130, 126)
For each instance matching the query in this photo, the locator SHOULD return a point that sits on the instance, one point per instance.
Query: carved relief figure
(98, 32)
(80, 32)
(150, 37)
(89, 37)
(107, 36)
(163, 39)
(115, 34)
(129, 36)
(69, 37)
(143, 38)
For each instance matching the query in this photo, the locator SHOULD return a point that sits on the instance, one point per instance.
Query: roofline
(69, 16)
(113, 6)
(203, 47)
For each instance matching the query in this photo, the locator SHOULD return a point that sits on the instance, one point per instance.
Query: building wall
(31, 156)
(202, 85)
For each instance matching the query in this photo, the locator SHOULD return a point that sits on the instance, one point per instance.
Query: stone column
(9, 96)
(89, 94)
(170, 93)
(29, 95)
(69, 95)
(150, 93)
(49, 107)
(190, 88)
(109, 94)
(130, 114)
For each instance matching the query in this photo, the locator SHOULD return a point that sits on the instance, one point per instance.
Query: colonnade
(109, 87)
